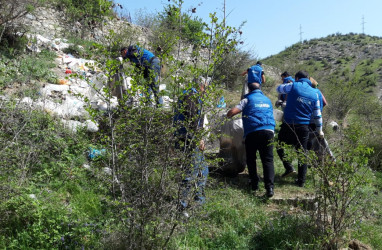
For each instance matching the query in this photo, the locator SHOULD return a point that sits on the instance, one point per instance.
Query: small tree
(343, 188)
(146, 169)
(89, 13)
(10, 14)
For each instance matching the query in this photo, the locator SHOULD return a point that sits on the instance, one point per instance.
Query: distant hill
(351, 57)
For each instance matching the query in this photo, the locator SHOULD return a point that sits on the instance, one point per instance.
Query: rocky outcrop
(52, 23)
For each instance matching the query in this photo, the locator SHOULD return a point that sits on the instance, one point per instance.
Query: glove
(278, 103)
(202, 145)
(120, 59)
(320, 134)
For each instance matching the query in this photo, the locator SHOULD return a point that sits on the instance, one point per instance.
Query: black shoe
(288, 173)
(299, 183)
(255, 187)
(270, 192)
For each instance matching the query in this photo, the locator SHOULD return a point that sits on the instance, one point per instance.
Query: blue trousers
(152, 73)
(196, 176)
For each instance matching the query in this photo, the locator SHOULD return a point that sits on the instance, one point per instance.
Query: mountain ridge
(347, 57)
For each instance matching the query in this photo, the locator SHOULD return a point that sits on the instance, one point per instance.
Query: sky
(273, 25)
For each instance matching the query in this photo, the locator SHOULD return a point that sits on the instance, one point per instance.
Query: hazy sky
(273, 25)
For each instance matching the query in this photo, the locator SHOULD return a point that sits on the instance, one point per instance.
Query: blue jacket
(140, 57)
(288, 78)
(302, 101)
(254, 74)
(257, 113)
(321, 103)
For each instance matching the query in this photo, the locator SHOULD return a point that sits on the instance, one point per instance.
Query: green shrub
(343, 188)
(47, 198)
(23, 69)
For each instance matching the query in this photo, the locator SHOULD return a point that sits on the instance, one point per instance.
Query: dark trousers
(262, 141)
(298, 136)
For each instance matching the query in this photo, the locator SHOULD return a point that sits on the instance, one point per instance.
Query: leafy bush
(89, 13)
(147, 171)
(171, 18)
(85, 10)
(47, 200)
(343, 188)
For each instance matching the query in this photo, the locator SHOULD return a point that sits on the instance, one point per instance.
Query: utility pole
(363, 25)
(301, 34)
(224, 15)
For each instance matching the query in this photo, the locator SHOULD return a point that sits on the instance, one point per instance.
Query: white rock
(27, 100)
(30, 16)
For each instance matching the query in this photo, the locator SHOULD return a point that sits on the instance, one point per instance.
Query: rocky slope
(351, 56)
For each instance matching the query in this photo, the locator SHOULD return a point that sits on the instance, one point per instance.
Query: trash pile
(78, 79)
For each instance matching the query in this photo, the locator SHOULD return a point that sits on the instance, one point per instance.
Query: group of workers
(302, 103)
(299, 98)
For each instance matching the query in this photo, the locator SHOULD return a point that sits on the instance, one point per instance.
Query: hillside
(80, 169)
(348, 57)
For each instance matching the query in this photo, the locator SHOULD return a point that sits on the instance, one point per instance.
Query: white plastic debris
(334, 125)
(72, 125)
(86, 166)
(75, 125)
(162, 87)
(167, 102)
(91, 126)
(107, 171)
(278, 115)
(49, 88)
(103, 105)
(73, 107)
(59, 44)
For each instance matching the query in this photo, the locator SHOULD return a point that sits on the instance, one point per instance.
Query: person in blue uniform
(188, 121)
(259, 125)
(255, 74)
(303, 104)
(281, 102)
(149, 64)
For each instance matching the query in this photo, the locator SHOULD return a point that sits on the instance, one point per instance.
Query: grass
(236, 218)
(369, 231)
(25, 68)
